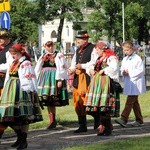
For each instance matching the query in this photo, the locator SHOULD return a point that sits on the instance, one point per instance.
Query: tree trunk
(61, 24)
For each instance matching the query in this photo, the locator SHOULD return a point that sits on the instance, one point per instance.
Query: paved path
(63, 136)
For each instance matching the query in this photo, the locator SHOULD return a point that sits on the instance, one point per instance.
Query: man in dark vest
(80, 62)
(5, 44)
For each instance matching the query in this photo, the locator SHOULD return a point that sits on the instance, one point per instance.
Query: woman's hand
(101, 72)
(92, 72)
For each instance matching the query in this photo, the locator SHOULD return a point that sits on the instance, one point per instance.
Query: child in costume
(51, 72)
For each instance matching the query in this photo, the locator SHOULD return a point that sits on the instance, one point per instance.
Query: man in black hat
(84, 56)
(5, 44)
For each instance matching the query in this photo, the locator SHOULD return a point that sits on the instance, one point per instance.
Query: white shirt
(134, 83)
(5, 66)
(85, 66)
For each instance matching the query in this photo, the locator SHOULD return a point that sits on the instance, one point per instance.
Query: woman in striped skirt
(101, 98)
(51, 71)
(19, 105)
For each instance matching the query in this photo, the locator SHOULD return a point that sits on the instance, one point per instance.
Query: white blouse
(26, 74)
(112, 70)
(61, 65)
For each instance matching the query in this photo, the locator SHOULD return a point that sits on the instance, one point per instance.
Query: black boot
(106, 122)
(96, 120)
(19, 137)
(82, 124)
(1, 134)
(23, 143)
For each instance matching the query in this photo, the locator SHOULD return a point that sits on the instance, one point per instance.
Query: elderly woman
(101, 98)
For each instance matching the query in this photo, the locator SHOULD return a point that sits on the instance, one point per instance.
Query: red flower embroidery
(26, 64)
(29, 76)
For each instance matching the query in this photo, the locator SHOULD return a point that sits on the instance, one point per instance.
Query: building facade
(49, 32)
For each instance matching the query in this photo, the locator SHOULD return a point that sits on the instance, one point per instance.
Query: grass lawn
(131, 144)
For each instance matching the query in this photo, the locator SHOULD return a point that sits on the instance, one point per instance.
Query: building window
(67, 28)
(53, 34)
(42, 33)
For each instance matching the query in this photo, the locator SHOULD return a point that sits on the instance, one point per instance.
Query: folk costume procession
(26, 89)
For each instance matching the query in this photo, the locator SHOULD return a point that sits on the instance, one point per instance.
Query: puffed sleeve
(5, 66)
(61, 66)
(38, 66)
(73, 62)
(112, 70)
(94, 57)
(27, 77)
(90, 65)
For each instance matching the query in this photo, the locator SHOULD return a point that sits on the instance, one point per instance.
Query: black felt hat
(82, 34)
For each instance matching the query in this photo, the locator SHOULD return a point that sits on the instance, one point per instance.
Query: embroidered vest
(83, 57)
(49, 60)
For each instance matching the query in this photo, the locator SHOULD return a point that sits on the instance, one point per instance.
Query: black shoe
(106, 132)
(16, 144)
(1, 134)
(22, 146)
(52, 126)
(81, 129)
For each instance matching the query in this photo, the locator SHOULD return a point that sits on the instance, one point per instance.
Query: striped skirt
(48, 92)
(102, 97)
(17, 106)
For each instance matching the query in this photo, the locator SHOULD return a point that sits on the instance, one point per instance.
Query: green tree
(106, 19)
(24, 19)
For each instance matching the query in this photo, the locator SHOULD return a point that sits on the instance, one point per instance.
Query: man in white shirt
(84, 56)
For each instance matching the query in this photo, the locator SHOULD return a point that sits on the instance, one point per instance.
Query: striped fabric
(47, 82)
(48, 92)
(18, 106)
(99, 97)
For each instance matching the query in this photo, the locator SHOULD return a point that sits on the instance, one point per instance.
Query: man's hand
(125, 72)
(78, 66)
(70, 71)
